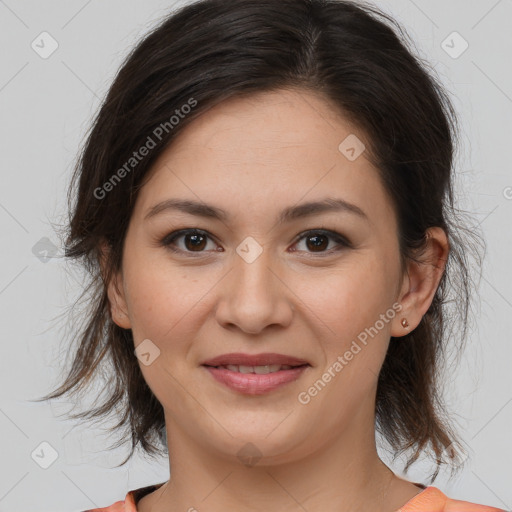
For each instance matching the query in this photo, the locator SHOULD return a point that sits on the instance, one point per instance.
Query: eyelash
(169, 239)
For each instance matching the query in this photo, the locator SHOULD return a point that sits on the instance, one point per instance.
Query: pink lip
(239, 358)
(252, 383)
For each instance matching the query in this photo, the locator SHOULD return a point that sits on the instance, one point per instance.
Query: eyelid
(167, 240)
(334, 235)
(341, 240)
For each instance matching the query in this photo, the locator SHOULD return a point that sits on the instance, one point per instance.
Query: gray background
(46, 105)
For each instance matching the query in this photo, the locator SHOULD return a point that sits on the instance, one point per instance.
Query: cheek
(348, 299)
(157, 297)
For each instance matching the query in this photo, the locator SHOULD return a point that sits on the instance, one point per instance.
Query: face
(320, 285)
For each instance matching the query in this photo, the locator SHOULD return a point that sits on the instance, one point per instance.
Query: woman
(265, 205)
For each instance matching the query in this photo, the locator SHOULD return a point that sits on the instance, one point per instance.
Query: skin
(253, 157)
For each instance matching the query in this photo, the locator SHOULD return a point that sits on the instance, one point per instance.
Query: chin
(251, 444)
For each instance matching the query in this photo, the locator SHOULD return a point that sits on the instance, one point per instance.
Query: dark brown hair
(360, 60)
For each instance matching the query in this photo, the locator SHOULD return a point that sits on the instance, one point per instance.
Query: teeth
(265, 369)
(269, 368)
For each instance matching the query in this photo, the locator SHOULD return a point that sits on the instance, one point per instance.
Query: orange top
(430, 499)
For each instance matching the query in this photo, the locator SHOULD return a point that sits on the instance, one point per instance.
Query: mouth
(262, 363)
(259, 369)
(255, 374)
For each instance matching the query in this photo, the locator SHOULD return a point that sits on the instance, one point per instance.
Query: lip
(239, 358)
(253, 383)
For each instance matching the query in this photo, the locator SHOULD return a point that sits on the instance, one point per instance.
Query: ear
(421, 281)
(115, 290)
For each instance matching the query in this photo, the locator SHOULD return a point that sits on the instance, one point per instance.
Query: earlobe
(115, 291)
(117, 300)
(421, 282)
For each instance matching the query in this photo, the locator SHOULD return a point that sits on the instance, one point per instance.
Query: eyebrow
(287, 215)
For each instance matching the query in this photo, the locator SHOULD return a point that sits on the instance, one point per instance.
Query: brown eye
(194, 240)
(318, 241)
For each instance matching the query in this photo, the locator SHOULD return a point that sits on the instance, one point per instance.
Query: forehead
(267, 150)
(283, 120)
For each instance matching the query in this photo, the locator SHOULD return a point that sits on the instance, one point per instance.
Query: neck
(346, 474)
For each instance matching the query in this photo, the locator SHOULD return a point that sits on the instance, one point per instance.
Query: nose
(253, 296)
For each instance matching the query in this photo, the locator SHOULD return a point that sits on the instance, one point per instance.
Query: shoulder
(433, 500)
(129, 504)
(126, 505)
(466, 506)
(429, 500)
